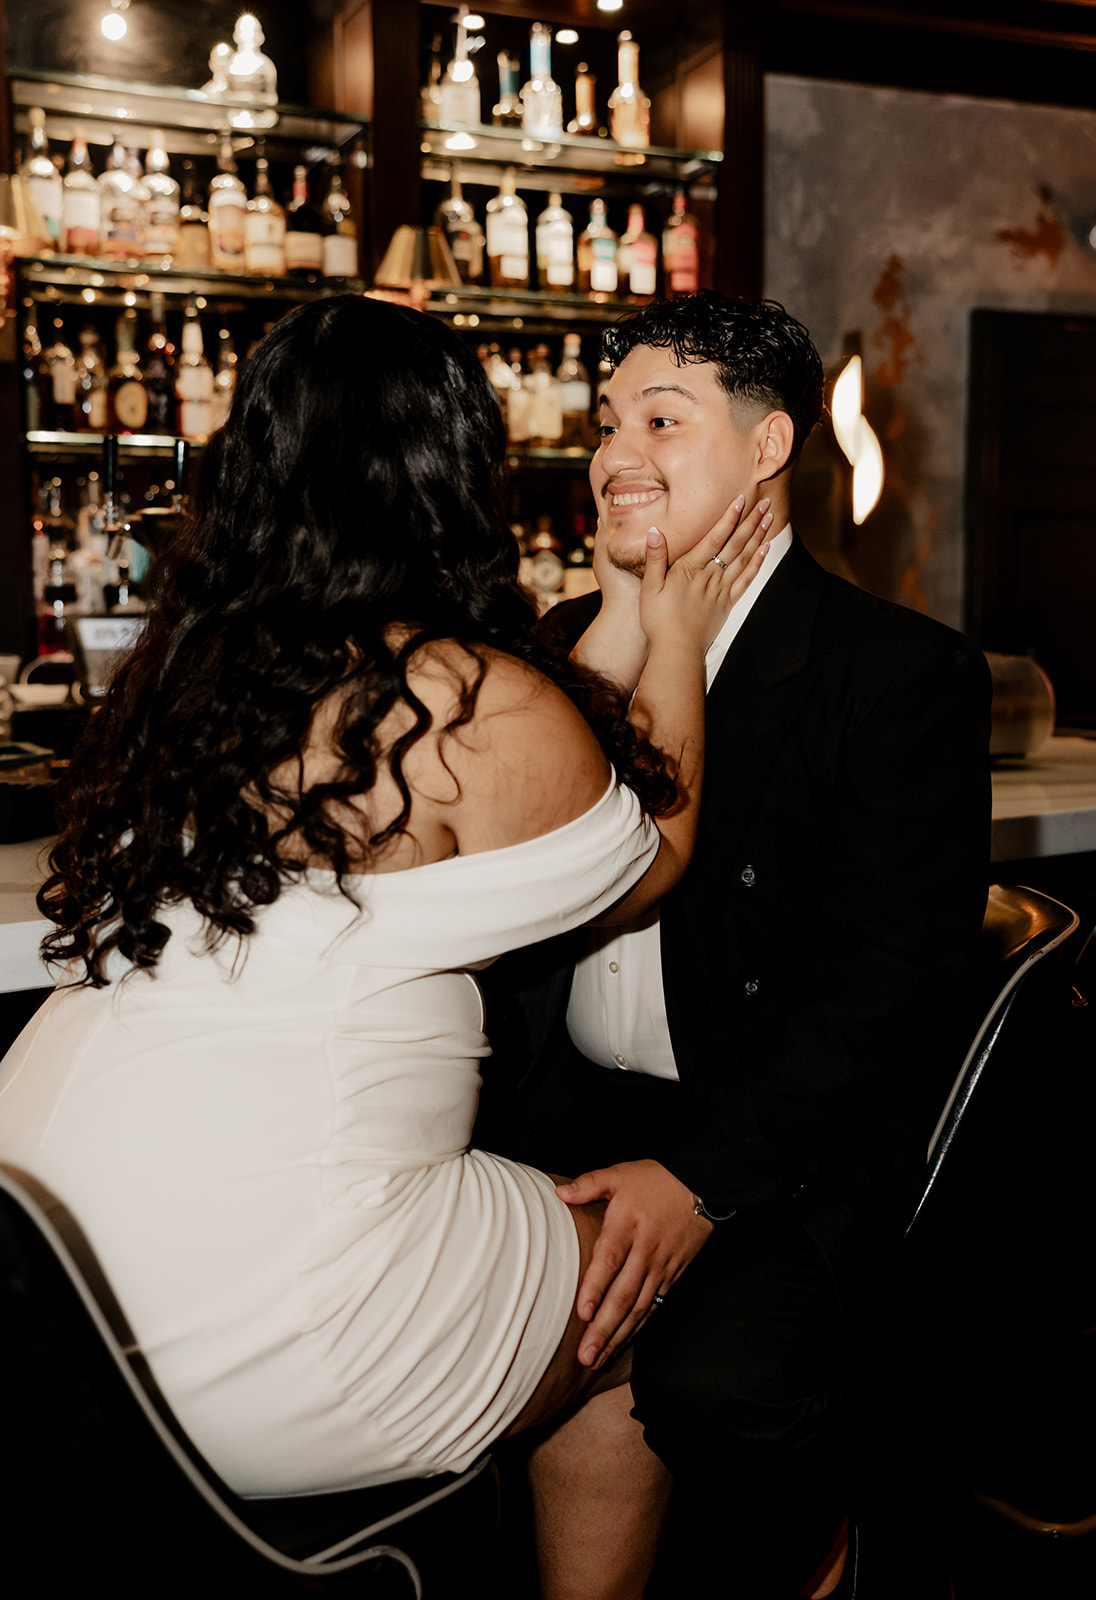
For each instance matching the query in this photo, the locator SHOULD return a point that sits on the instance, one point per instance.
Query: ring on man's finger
(722, 564)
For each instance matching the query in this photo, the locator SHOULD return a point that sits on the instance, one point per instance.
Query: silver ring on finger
(722, 564)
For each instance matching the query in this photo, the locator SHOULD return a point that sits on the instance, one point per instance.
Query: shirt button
(748, 876)
(621, 1061)
(614, 966)
(752, 985)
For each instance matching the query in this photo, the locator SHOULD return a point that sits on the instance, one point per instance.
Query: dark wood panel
(1031, 497)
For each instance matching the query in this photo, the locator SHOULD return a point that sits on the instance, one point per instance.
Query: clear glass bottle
(545, 570)
(193, 224)
(224, 380)
(584, 120)
(541, 96)
(119, 212)
(304, 231)
(141, 196)
(545, 401)
(457, 219)
(264, 228)
(79, 203)
(217, 85)
(158, 368)
(460, 90)
(227, 213)
(31, 368)
(431, 89)
(58, 391)
(499, 375)
(508, 236)
(125, 380)
(629, 108)
(637, 259)
(681, 249)
(161, 234)
(508, 112)
(574, 394)
(90, 410)
(194, 386)
(517, 401)
(597, 255)
(42, 177)
(340, 240)
(250, 75)
(555, 237)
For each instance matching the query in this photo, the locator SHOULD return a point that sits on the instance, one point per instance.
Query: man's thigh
(743, 1358)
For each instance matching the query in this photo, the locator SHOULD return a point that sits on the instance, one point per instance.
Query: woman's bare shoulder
(525, 761)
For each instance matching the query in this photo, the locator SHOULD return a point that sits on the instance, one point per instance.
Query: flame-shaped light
(857, 440)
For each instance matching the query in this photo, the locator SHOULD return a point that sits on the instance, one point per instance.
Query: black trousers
(737, 1376)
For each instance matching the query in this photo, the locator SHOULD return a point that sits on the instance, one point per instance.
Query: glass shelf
(89, 280)
(567, 456)
(523, 309)
(97, 105)
(540, 162)
(132, 446)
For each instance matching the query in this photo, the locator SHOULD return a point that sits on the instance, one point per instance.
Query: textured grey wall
(893, 214)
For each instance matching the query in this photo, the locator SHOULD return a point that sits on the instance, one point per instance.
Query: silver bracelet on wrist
(701, 1210)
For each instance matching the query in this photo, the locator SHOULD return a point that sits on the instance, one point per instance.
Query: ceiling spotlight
(112, 24)
(472, 21)
(609, 5)
(567, 36)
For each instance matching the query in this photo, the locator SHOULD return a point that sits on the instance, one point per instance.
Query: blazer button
(752, 985)
(748, 876)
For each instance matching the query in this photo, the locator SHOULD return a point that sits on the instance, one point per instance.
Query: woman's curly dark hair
(356, 485)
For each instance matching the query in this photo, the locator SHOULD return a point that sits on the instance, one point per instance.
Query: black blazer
(816, 954)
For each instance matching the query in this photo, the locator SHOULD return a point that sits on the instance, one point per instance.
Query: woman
(338, 773)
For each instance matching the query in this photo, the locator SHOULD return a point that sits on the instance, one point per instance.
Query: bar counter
(1042, 807)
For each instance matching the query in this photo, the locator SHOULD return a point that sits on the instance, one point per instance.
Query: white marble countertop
(1044, 806)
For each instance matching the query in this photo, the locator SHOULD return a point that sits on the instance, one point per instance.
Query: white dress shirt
(617, 1011)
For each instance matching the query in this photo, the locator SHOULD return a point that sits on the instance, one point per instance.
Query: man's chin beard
(636, 565)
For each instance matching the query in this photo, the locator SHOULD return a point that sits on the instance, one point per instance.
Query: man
(749, 1079)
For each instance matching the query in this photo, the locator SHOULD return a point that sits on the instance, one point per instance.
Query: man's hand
(649, 1236)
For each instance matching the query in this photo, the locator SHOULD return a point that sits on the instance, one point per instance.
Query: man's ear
(775, 442)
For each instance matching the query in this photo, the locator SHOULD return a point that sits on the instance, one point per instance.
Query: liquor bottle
(464, 234)
(58, 391)
(340, 240)
(460, 91)
(158, 367)
(507, 113)
(216, 87)
(545, 401)
(637, 259)
(42, 177)
(597, 255)
(194, 385)
(58, 601)
(161, 242)
(555, 246)
(517, 402)
(508, 236)
(541, 97)
(303, 231)
(499, 375)
(574, 393)
(193, 225)
(224, 381)
(584, 120)
(629, 108)
(264, 228)
(579, 561)
(545, 570)
(119, 220)
(431, 89)
(680, 249)
(125, 380)
(91, 384)
(141, 196)
(31, 369)
(250, 75)
(79, 203)
(227, 211)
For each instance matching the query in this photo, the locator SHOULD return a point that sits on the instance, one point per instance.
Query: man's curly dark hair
(764, 357)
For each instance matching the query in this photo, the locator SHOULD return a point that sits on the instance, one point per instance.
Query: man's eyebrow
(656, 389)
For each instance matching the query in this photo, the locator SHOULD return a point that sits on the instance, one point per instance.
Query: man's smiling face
(671, 455)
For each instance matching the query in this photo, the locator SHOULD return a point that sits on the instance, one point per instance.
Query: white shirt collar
(779, 545)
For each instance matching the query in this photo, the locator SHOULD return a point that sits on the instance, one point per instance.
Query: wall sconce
(858, 442)
(112, 24)
(416, 261)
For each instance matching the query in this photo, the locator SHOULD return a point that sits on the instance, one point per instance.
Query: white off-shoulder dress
(268, 1150)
